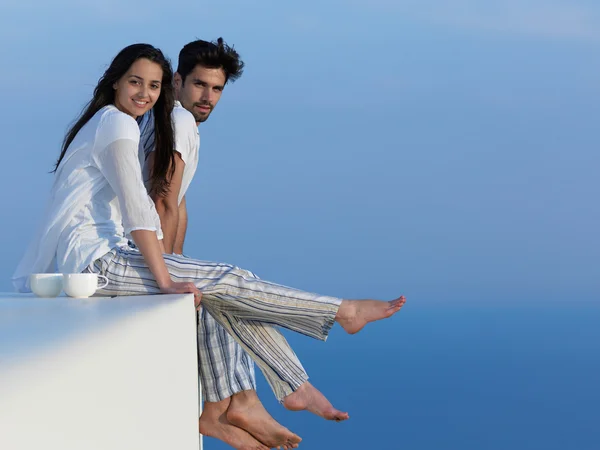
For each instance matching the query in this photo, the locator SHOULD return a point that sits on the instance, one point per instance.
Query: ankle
(215, 409)
(346, 310)
(244, 399)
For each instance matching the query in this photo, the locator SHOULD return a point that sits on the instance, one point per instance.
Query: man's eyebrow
(141, 79)
(198, 80)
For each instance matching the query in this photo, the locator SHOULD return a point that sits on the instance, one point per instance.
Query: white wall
(98, 374)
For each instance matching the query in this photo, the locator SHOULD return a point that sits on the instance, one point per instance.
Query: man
(232, 411)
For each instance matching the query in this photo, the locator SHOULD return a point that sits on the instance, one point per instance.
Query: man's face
(201, 91)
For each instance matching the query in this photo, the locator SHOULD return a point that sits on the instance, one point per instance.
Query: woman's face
(136, 92)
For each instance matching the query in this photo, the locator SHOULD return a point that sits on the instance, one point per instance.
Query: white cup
(82, 285)
(46, 284)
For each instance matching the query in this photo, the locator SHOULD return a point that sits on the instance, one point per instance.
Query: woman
(98, 201)
(98, 198)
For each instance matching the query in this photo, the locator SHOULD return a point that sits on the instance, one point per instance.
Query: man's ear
(177, 80)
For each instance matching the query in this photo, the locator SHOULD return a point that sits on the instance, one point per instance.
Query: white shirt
(97, 199)
(187, 143)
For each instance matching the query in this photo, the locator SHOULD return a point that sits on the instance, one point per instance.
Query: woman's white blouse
(97, 199)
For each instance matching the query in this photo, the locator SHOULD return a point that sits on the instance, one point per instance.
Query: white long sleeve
(120, 165)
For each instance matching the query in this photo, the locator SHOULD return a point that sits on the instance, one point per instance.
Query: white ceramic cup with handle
(46, 285)
(82, 285)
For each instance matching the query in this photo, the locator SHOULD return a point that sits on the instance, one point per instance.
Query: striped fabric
(225, 368)
(248, 308)
(146, 124)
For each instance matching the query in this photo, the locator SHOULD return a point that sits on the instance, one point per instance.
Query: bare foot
(353, 315)
(248, 413)
(309, 398)
(214, 423)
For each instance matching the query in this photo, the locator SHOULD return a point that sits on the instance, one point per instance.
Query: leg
(229, 295)
(295, 397)
(224, 367)
(247, 308)
(226, 371)
(235, 291)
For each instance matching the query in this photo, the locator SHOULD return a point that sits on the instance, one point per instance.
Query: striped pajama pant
(225, 368)
(248, 308)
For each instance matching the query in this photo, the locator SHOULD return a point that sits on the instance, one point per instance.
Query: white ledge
(101, 373)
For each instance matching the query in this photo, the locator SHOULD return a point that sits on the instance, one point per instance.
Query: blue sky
(443, 149)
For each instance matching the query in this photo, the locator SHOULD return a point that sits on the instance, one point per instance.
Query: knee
(245, 274)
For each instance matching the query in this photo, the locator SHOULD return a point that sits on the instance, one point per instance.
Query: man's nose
(207, 96)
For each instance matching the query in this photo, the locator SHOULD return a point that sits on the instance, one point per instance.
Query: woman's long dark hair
(104, 94)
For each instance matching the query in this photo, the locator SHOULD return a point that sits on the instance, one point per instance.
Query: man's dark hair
(212, 55)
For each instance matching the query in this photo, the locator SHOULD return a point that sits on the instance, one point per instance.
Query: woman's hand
(183, 288)
(150, 247)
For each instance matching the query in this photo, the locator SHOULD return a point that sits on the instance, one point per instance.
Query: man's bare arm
(181, 228)
(166, 205)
